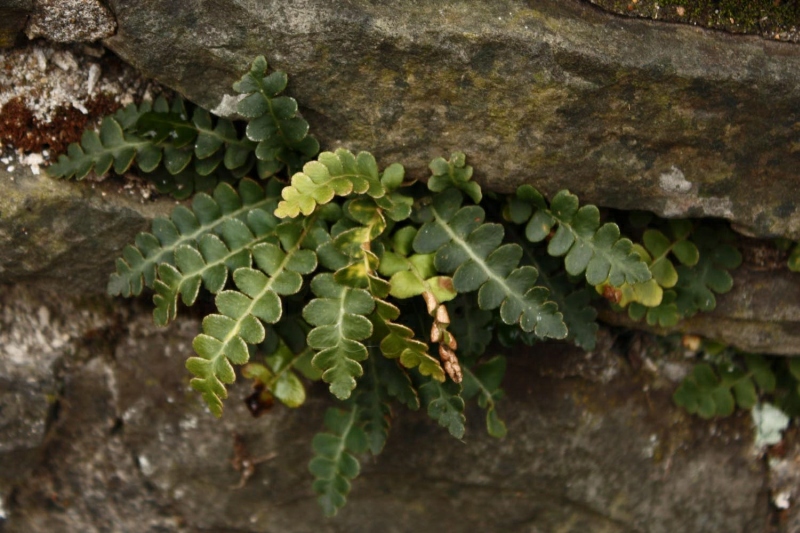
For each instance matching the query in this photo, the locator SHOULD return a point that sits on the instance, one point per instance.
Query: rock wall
(107, 436)
(99, 430)
(626, 113)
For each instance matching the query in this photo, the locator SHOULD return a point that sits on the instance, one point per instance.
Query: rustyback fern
(330, 268)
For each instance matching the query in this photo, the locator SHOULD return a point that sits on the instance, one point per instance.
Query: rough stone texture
(784, 480)
(66, 233)
(13, 16)
(592, 446)
(69, 21)
(626, 113)
(38, 330)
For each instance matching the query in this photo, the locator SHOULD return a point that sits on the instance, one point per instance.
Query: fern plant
(728, 378)
(402, 285)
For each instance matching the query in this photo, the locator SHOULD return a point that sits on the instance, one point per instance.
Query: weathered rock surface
(625, 113)
(13, 16)
(69, 21)
(66, 233)
(592, 446)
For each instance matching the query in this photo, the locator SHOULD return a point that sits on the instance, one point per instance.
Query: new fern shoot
(401, 286)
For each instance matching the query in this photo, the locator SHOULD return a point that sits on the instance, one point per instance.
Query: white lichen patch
(770, 423)
(47, 77)
(227, 106)
(684, 198)
(674, 181)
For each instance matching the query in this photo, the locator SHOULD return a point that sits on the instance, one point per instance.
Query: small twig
(243, 463)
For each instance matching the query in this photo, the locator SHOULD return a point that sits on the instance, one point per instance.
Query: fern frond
(334, 464)
(705, 260)
(209, 263)
(472, 251)
(483, 381)
(399, 342)
(277, 377)
(241, 312)
(373, 404)
(587, 247)
(710, 392)
(794, 259)
(339, 314)
(697, 284)
(444, 404)
(100, 151)
(573, 301)
(333, 174)
(471, 325)
(397, 382)
(454, 173)
(137, 266)
(281, 134)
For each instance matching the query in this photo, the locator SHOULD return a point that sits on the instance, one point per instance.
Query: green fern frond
(128, 116)
(397, 382)
(209, 263)
(471, 325)
(573, 301)
(339, 316)
(710, 392)
(136, 268)
(697, 284)
(334, 465)
(273, 121)
(241, 312)
(483, 381)
(472, 251)
(332, 174)
(186, 184)
(444, 404)
(277, 377)
(209, 142)
(398, 342)
(111, 147)
(454, 173)
(587, 247)
(374, 409)
(703, 272)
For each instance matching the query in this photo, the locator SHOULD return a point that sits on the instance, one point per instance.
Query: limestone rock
(590, 444)
(67, 21)
(66, 233)
(626, 113)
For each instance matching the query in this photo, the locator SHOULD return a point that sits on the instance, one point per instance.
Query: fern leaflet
(226, 335)
(137, 266)
(472, 251)
(587, 246)
(334, 464)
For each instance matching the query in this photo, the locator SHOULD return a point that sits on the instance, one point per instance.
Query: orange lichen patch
(22, 130)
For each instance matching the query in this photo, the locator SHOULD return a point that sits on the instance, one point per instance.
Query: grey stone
(66, 233)
(39, 329)
(133, 449)
(626, 113)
